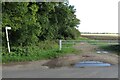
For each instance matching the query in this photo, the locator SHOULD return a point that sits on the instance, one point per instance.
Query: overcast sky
(97, 15)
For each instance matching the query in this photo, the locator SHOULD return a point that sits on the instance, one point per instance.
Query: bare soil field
(102, 36)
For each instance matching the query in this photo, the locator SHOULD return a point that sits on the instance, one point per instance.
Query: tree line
(32, 22)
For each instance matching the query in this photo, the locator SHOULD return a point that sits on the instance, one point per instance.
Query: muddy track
(87, 52)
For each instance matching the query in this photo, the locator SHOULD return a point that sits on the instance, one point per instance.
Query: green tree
(32, 22)
(22, 18)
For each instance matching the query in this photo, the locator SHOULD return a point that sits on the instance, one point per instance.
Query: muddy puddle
(102, 52)
(82, 64)
(91, 64)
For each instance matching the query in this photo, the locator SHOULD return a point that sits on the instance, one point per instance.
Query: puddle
(91, 64)
(104, 52)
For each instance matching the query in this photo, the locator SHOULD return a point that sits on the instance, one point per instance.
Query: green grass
(47, 50)
(113, 48)
(91, 41)
(94, 42)
(83, 38)
(33, 53)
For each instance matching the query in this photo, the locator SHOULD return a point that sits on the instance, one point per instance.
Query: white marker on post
(7, 28)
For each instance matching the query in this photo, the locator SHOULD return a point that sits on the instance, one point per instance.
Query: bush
(45, 45)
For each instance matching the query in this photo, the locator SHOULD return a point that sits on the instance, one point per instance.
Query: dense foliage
(33, 22)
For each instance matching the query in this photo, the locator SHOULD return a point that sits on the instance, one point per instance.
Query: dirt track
(88, 52)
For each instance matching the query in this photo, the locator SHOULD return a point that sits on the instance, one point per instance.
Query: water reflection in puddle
(91, 64)
(104, 52)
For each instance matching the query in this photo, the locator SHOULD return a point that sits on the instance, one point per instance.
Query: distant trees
(32, 22)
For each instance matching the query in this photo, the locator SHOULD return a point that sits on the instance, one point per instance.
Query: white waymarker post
(60, 44)
(7, 28)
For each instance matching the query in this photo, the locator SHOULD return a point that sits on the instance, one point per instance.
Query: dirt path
(87, 52)
(90, 53)
(64, 72)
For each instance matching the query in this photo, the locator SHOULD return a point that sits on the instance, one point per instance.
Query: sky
(97, 15)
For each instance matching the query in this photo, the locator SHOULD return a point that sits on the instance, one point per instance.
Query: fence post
(60, 44)
(7, 28)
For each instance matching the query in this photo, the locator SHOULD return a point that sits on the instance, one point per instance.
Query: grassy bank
(43, 50)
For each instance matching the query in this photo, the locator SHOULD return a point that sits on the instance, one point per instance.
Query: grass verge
(33, 53)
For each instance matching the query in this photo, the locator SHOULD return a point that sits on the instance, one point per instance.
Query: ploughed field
(101, 36)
